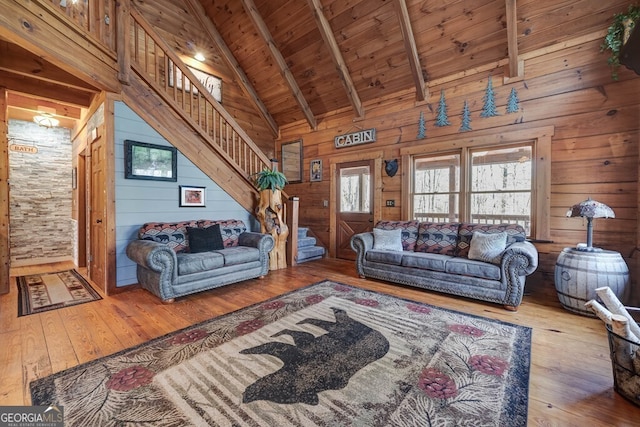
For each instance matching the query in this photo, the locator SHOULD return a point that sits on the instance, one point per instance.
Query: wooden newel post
(270, 213)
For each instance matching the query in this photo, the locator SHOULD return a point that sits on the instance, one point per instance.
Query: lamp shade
(590, 209)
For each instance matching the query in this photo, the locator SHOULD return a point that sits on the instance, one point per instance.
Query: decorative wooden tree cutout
(489, 108)
(441, 118)
(466, 118)
(270, 214)
(513, 102)
(422, 127)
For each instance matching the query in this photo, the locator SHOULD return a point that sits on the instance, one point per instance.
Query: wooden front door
(97, 214)
(355, 204)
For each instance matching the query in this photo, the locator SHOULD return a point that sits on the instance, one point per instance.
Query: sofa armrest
(263, 242)
(153, 256)
(522, 256)
(361, 243)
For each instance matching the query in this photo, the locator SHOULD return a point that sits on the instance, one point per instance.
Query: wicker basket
(626, 381)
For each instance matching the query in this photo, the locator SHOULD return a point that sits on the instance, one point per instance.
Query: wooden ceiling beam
(32, 103)
(45, 89)
(336, 57)
(198, 12)
(412, 50)
(515, 71)
(265, 34)
(18, 60)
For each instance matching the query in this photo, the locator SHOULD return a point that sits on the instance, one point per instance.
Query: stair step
(310, 253)
(302, 232)
(306, 241)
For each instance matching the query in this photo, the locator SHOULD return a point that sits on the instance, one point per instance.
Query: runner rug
(43, 292)
(325, 355)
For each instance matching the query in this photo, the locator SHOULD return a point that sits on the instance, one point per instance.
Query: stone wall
(41, 228)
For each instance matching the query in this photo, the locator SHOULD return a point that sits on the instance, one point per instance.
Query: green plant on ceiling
(269, 179)
(614, 40)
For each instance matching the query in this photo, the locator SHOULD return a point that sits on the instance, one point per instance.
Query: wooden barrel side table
(579, 273)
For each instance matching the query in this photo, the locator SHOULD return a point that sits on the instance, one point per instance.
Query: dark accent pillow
(205, 239)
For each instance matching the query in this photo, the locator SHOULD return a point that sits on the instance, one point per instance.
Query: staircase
(307, 248)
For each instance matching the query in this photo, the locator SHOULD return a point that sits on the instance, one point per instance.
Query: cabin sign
(355, 138)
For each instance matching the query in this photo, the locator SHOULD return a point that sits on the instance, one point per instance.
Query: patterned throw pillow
(488, 247)
(515, 233)
(409, 234)
(387, 240)
(172, 234)
(437, 238)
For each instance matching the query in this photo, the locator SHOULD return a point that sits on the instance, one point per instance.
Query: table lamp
(590, 209)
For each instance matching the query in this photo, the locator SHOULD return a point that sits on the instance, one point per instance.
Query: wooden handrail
(157, 64)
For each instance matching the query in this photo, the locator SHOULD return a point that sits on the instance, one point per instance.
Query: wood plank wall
(594, 149)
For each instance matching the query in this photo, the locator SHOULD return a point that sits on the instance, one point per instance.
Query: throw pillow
(387, 240)
(205, 239)
(488, 247)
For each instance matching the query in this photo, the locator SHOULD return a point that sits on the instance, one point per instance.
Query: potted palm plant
(617, 34)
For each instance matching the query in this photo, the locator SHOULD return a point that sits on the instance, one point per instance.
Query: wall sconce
(590, 209)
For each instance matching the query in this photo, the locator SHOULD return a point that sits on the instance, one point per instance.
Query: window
(354, 189)
(495, 186)
(436, 188)
(491, 176)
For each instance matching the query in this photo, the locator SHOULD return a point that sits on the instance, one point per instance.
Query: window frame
(539, 138)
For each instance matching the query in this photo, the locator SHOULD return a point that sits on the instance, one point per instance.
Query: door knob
(98, 221)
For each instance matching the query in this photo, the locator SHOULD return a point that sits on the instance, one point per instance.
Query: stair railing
(156, 63)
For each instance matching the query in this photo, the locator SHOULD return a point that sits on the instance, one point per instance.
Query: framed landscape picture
(150, 161)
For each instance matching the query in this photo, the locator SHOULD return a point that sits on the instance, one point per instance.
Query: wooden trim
(412, 50)
(336, 56)
(263, 30)
(490, 137)
(123, 42)
(4, 194)
(512, 40)
(333, 198)
(110, 194)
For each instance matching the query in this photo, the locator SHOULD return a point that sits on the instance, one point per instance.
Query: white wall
(140, 201)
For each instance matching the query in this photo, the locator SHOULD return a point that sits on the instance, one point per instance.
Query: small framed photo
(315, 170)
(192, 196)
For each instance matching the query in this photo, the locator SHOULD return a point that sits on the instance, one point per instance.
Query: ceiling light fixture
(45, 117)
(199, 56)
(46, 120)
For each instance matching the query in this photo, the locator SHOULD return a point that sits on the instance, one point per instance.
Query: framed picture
(192, 196)
(315, 171)
(212, 83)
(150, 161)
(292, 161)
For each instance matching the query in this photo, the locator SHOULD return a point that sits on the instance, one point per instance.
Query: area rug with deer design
(49, 291)
(325, 355)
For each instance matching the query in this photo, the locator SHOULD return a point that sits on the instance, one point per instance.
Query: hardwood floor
(571, 381)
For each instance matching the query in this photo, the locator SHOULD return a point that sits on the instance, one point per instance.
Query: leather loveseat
(169, 266)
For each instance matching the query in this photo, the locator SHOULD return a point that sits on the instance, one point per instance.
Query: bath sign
(30, 149)
(355, 138)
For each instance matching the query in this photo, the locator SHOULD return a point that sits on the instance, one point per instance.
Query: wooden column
(4, 193)
(293, 212)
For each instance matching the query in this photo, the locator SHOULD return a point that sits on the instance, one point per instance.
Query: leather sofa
(436, 256)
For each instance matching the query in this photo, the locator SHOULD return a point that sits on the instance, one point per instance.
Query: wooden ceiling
(37, 85)
(300, 59)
